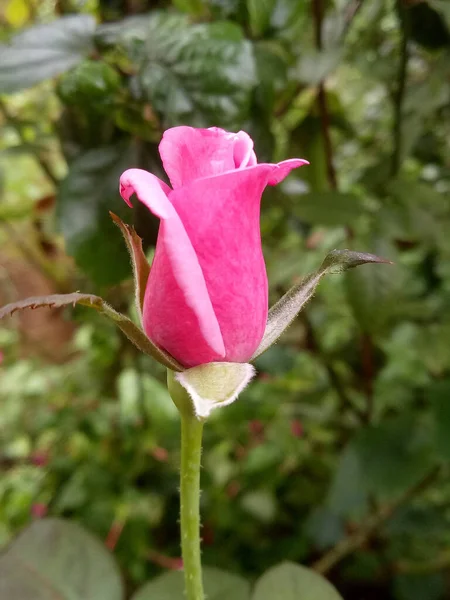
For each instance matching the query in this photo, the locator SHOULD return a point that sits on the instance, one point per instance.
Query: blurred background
(337, 456)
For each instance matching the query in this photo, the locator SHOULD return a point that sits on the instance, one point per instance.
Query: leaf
(196, 74)
(193, 7)
(133, 333)
(347, 496)
(288, 581)
(374, 295)
(44, 51)
(443, 7)
(315, 66)
(439, 394)
(214, 385)
(17, 12)
(418, 586)
(85, 197)
(287, 308)
(260, 12)
(141, 268)
(56, 560)
(394, 455)
(329, 208)
(219, 585)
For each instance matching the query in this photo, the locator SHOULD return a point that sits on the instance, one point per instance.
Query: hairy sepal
(212, 386)
(141, 268)
(133, 333)
(287, 308)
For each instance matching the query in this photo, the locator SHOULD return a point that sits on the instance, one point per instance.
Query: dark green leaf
(43, 51)
(420, 586)
(328, 208)
(260, 12)
(132, 332)
(288, 581)
(86, 196)
(348, 494)
(57, 560)
(287, 308)
(192, 74)
(439, 395)
(219, 585)
(394, 455)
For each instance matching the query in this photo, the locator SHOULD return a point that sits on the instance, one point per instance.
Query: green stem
(191, 450)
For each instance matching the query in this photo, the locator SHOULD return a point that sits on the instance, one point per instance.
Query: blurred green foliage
(337, 455)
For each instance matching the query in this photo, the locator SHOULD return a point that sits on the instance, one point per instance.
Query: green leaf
(329, 208)
(56, 560)
(288, 581)
(439, 395)
(87, 194)
(141, 268)
(214, 385)
(260, 12)
(133, 333)
(347, 495)
(374, 294)
(195, 74)
(314, 67)
(287, 308)
(420, 586)
(44, 51)
(219, 585)
(394, 455)
(193, 7)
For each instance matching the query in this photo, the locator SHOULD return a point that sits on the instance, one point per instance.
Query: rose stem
(191, 450)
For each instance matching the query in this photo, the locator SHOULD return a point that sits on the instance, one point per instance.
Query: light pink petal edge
(152, 192)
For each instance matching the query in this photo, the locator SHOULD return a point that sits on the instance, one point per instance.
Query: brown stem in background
(371, 525)
(399, 94)
(322, 104)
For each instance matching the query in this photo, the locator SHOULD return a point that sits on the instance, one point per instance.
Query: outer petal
(178, 313)
(282, 169)
(221, 217)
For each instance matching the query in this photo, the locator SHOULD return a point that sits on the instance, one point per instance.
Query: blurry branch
(399, 93)
(39, 156)
(372, 525)
(324, 114)
(438, 564)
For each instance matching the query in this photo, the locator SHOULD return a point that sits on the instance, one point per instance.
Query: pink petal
(178, 313)
(282, 169)
(244, 155)
(221, 217)
(188, 154)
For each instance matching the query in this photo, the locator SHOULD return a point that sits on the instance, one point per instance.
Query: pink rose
(206, 296)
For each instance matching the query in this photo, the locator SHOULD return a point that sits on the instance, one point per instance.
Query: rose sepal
(202, 389)
(288, 307)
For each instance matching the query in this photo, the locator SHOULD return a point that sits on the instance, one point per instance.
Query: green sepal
(287, 308)
(200, 390)
(141, 268)
(132, 331)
